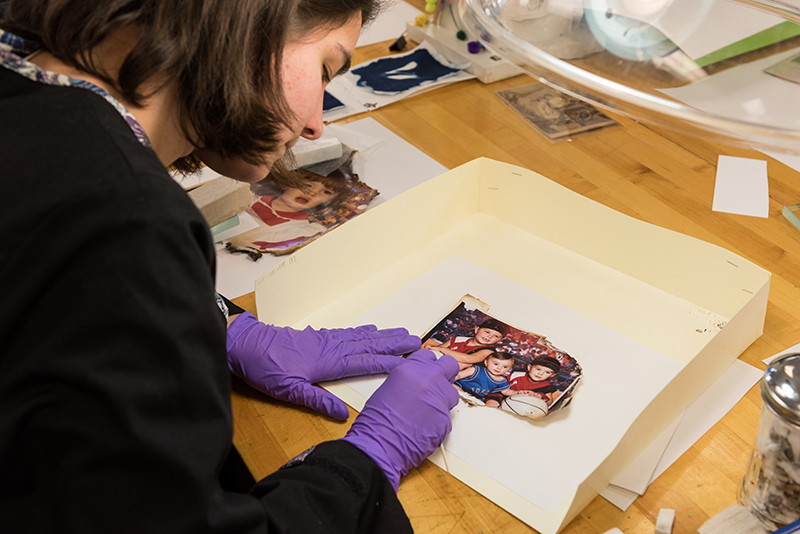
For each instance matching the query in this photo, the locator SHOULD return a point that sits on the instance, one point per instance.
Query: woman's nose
(313, 128)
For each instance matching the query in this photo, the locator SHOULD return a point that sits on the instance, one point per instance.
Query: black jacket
(114, 387)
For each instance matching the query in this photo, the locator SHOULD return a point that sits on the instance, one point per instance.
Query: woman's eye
(326, 74)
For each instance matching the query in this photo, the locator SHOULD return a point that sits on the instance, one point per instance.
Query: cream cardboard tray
(652, 316)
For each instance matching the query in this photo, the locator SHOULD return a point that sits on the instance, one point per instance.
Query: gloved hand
(284, 362)
(407, 417)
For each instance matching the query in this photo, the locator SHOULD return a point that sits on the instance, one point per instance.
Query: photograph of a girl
(291, 217)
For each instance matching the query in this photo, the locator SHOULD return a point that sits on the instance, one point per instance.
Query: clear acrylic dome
(718, 69)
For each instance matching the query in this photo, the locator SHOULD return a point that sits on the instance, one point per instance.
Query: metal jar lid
(780, 387)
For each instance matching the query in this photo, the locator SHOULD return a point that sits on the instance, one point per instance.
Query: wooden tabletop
(653, 175)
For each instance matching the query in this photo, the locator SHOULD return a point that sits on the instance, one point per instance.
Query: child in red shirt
(471, 350)
(285, 216)
(535, 382)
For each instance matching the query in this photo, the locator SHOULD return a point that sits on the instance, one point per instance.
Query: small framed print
(555, 115)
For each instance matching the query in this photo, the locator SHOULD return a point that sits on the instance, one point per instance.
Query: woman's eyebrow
(347, 59)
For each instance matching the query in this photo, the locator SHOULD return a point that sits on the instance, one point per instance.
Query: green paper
(772, 35)
(225, 225)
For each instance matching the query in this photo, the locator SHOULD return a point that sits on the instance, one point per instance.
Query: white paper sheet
(619, 497)
(546, 461)
(390, 24)
(793, 348)
(709, 408)
(741, 187)
(746, 93)
(790, 161)
(637, 475)
(698, 419)
(391, 166)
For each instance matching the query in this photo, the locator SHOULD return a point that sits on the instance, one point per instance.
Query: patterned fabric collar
(13, 51)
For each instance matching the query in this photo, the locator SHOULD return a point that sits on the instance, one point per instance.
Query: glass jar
(771, 485)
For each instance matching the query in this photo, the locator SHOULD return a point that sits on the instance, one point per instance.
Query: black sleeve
(335, 489)
(233, 309)
(115, 407)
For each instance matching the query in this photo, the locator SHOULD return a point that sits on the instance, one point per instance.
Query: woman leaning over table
(114, 385)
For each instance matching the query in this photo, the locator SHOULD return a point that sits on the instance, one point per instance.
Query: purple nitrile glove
(404, 421)
(284, 363)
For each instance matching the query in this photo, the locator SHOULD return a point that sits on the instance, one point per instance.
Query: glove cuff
(239, 326)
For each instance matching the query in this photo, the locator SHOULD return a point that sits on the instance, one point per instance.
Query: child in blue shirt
(481, 380)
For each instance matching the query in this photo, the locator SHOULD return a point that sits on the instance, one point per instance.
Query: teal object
(791, 213)
(225, 225)
(623, 36)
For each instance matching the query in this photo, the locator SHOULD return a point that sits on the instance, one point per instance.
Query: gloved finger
(350, 334)
(365, 332)
(445, 395)
(422, 355)
(447, 366)
(369, 364)
(394, 345)
(451, 396)
(444, 391)
(450, 367)
(305, 394)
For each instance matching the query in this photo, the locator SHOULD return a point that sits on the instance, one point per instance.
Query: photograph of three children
(502, 366)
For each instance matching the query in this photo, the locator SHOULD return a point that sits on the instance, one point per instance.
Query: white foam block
(307, 152)
(666, 518)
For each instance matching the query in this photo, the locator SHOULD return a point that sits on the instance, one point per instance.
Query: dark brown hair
(335, 180)
(297, 179)
(224, 56)
(500, 356)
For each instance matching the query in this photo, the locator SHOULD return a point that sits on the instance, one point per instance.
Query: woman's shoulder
(69, 138)
(95, 177)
